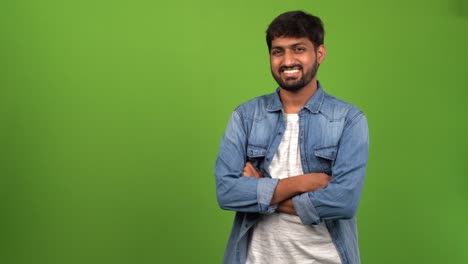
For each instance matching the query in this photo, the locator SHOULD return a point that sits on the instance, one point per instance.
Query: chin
(293, 87)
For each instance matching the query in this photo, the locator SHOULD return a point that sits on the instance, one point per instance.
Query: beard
(292, 84)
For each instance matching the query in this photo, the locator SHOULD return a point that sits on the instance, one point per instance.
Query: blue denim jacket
(333, 138)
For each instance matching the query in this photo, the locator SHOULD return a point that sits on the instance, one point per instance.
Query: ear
(321, 52)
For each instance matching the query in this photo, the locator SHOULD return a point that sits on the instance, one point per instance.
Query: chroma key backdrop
(111, 113)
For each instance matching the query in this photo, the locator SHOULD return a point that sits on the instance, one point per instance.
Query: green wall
(111, 113)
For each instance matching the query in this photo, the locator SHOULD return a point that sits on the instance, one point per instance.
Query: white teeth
(291, 71)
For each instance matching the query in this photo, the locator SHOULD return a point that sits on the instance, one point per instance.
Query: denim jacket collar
(313, 105)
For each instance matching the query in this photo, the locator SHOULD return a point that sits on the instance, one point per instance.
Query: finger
(248, 172)
(249, 167)
(253, 170)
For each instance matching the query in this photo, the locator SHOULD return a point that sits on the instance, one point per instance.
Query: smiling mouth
(291, 73)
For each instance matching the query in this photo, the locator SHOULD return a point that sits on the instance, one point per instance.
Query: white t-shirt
(283, 238)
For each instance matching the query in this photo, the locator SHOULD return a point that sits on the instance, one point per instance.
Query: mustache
(295, 66)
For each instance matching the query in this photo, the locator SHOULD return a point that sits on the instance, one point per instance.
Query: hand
(250, 171)
(286, 206)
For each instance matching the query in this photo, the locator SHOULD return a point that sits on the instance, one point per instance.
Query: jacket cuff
(305, 209)
(265, 189)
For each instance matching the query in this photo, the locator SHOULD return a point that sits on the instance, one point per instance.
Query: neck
(294, 101)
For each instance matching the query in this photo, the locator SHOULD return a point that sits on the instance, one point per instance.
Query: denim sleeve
(233, 190)
(340, 198)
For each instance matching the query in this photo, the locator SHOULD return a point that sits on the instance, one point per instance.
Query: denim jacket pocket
(254, 152)
(326, 157)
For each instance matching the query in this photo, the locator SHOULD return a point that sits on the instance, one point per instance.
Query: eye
(276, 52)
(299, 49)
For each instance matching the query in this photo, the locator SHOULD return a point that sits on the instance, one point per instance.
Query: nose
(289, 58)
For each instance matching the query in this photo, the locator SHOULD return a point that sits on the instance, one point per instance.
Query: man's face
(294, 62)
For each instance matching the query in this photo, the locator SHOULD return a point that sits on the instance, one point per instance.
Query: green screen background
(111, 114)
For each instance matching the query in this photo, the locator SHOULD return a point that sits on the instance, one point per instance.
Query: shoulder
(256, 107)
(337, 109)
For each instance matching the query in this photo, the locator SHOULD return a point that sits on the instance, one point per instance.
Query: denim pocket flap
(255, 151)
(328, 153)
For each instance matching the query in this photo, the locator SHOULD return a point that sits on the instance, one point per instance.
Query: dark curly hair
(296, 24)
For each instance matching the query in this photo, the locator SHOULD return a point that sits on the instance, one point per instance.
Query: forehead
(283, 42)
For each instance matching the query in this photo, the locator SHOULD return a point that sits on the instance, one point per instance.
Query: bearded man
(291, 164)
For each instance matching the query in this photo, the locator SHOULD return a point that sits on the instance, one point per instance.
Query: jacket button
(279, 133)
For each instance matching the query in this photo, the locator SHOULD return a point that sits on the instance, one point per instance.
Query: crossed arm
(289, 187)
(315, 196)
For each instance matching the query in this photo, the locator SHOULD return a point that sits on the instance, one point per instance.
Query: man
(292, 163)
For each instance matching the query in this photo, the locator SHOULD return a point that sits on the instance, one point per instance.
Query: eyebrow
(289, 46)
